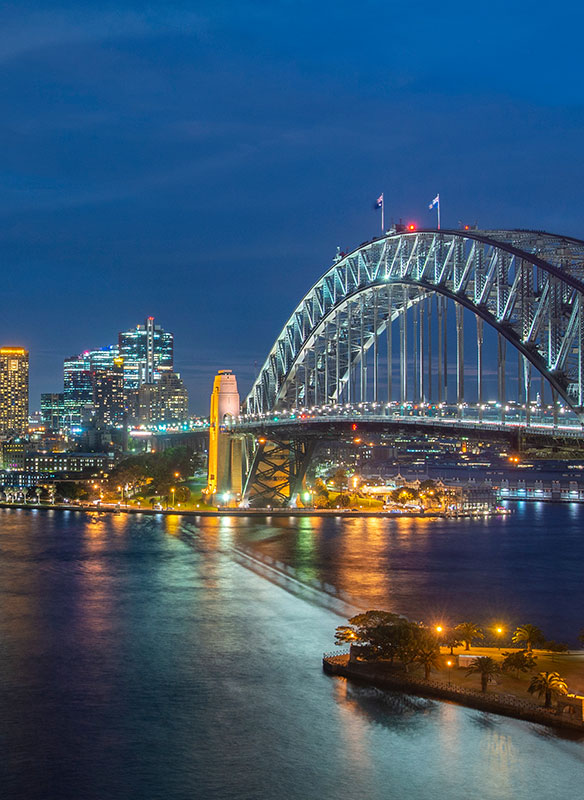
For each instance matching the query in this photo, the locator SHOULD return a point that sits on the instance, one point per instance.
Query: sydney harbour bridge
(450, 330)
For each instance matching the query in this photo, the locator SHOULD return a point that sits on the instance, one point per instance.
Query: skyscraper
(78, 380)
(13, 390)
(147, 351)
(108, 391)
(77, 387)
(52, 410)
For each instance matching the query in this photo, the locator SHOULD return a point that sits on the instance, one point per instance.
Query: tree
(486, 667)
(521, 661)
(469, 631)
(428, 651)
(343, 500)
(182, 494)
(361, 625)
(378, 632)
(403, 495)
(530, 635)
(548, 684)
(320, 489)
(339, 478)
(452, 639)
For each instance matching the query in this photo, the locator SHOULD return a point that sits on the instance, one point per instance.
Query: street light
(499, 630)
(173, 490)
(449, 665)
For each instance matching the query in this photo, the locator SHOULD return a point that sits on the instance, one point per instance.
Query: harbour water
(139, 659)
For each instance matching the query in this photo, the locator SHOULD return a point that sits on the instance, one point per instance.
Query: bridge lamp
(226, 497)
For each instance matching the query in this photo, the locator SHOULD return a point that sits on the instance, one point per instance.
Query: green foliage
(555, 647)
(182, 494)
(548, 685)
(452, 639)
(403, 495)
(155, 470)
(320, 488)
(71, 490)
(529, 635)
(521, 661)
(384, 635)
(486, 667)
(469, 631)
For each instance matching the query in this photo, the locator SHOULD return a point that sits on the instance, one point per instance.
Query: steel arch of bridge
(527, 285)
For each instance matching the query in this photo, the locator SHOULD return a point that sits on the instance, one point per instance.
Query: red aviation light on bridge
(411, 226)
(354, 426)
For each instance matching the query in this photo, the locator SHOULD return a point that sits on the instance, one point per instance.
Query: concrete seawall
(494, 703)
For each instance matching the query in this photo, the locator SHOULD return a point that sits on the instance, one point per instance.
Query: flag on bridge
(436, 202)
(379, 204)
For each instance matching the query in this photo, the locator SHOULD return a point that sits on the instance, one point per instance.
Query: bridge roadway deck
(330, 424)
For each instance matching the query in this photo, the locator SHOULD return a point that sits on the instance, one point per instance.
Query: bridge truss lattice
(528, 286)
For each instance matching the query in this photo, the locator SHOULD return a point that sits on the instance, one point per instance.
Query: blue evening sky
(200, 162)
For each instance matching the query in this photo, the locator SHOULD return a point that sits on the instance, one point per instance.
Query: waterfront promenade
(242, 512)
(449, 685)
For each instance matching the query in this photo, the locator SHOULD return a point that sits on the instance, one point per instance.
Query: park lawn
(569, 665)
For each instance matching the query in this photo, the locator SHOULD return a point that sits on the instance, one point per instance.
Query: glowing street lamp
(173, 490)
(449, 665)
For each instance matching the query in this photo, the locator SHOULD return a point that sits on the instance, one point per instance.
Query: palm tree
(486, 667)
(548, 684)
(529, 634)
(430, 659)
(469, 631)
(452, 640)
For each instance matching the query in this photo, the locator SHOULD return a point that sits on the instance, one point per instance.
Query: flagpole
(438, 211)
(382, 213)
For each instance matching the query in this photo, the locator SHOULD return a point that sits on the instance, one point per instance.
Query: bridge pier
(277, 471)
(224, 482)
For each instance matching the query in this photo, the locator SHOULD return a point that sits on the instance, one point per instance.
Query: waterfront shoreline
(371, 675)
(246, 512)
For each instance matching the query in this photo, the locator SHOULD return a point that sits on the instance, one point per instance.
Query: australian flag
(379, 202)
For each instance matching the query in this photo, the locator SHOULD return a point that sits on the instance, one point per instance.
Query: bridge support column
(375, 352)
(389, 332)
(349, 354)
(480, 366)
(415, 313)
(501, 367)
(277, 471)
(459, 358)
(440, 350)
(422, 390)
(362, 371)
(445, 346)
(403, 359)
(527, 388)
(429, 318)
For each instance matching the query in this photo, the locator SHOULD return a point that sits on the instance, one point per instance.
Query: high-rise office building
(13, 390)
(77, 387)
(147, 351)
(52, 410)
(166, 401)
(108, 392)
(78, 383)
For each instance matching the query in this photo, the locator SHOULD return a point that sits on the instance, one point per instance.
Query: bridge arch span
(525, 285)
